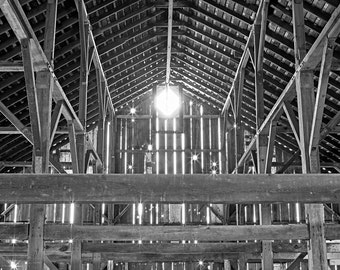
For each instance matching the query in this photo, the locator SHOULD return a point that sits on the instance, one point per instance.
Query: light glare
(167, 102)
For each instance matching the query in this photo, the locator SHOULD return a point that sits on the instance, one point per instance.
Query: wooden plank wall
(173, 146)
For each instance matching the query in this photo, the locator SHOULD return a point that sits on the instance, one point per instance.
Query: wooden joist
(28, 188)
(168, 233)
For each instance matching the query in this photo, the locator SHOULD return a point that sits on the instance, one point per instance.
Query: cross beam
(55, 232)
(28, 188)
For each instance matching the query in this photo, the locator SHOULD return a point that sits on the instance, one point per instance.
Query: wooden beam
(49, 264)
(310, 61)
(262, 142)
(25, 131)
(35, 253)
(296, 263)
(96, 57)
(287, 107)
(317, 258)
(102, 114)
(289, 162)
(321, 94)
(62, 249)
(242, 64)
(31, 92)
(22, 29)
(172, 248)
(178, 233)
(73, 146)
(147, 258)
(169, 42)
(317, 253)
(165, 188)
(45, 84)
(83, 85)
(270, 147)
(16, 122)
(16, 66)
(55, 119)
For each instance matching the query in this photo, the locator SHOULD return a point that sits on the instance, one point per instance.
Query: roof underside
(208, 40)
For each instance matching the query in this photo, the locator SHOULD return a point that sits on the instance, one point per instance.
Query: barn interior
(169, 135)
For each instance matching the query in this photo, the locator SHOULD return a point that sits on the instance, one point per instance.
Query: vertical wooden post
(230, 145)
(35, 256)
(317, 256)
(260, 26)
(96, 261)
(39, 95)
(31, 94)
(101, 113)
(113, 137)
(242, 263)
(76, 263)
(37, 212)
(239, 129)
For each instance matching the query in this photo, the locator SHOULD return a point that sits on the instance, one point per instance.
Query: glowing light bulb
(130, 167)
(214, 164)
(13, 265)
(133, 110)
(150, 147)
(213, 172)
(200, 262)
(194, 157)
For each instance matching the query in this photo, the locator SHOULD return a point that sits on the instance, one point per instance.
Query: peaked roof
(209, 37)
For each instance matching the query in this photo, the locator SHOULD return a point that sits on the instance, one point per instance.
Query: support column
(239, 128)
(39, 94)
(260, 26)
(76, 263)
(317, 255)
